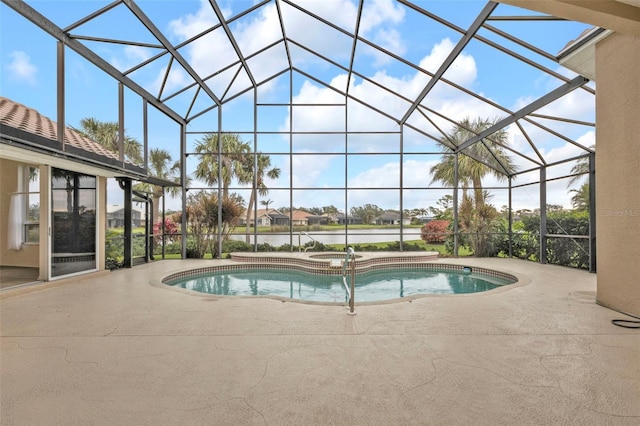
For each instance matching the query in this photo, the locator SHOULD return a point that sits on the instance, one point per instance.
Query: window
(31, 224)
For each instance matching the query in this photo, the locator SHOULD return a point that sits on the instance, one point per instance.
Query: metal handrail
(346, 287)
(350, 291)
(306, 248)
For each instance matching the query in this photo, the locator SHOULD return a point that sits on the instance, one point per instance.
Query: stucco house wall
(28, 255)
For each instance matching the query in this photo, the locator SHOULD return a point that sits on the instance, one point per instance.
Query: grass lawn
(440, 248)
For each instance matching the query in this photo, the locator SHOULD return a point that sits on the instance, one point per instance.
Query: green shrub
(560, 251)
(236, 246)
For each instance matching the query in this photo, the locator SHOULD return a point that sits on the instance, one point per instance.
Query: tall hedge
(573, 252)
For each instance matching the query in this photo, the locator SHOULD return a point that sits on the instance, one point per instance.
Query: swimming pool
(370, 286)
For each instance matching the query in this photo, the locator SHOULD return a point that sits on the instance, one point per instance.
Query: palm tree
(487, 156)
(107, 134)
(493, 158)
(266, 204)
(263, 163)
(580, 199)
(161, 166)
(580, 169)
(235, 160)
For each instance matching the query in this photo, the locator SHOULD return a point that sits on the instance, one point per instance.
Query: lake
(354, 236)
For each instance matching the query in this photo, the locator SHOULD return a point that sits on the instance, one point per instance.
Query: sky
(317, 174)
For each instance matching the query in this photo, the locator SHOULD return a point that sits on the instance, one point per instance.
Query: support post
(510, 217)
(60, 95)
(164, 240)
(150, 236)
(220, 191)
(183, 184)
(592, 212)
(145, 135)
(255, 172)
(455, 206)
(147, 241)
(121, 146)
(125, 185)
(543, 214)
(346, 173)
(402, 214)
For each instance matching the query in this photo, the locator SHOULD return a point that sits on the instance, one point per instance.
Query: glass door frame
(98, 206)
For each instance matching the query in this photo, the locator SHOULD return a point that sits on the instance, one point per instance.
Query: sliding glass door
(73, 222)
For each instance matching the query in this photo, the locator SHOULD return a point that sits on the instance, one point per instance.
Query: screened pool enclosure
(315, 125)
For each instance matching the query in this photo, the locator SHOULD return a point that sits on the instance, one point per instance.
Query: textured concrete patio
(120, 348)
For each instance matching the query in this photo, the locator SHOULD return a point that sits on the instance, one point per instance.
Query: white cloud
(462, 71)
(557, 190)
(214, 51)
(450, 102)
(380, 12)
(131, 56)
(379, 24)
(415, 173)
(190, 25)
(340, 12)
(21, 68)
(208, 53)
(310, 169)
(176, 79)
(265, 23)
(377, 177)
(577, 105)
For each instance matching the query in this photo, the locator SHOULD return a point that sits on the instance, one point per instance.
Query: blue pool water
(370, 286)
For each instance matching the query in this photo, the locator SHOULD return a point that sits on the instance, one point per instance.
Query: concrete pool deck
(118, 348)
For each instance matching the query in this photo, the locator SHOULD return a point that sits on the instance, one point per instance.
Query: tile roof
(21, 117)
(301, 215)
(389, 215)
(263, 212)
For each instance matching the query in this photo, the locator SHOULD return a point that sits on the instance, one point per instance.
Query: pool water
(369, 286)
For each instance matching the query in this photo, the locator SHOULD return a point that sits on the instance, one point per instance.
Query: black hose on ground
(627, 323)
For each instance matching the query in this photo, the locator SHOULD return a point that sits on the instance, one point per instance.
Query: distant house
(423, 219)
(391, 218)
(278, 218)
(270, 217)
(331, 217)
(388, 218)
(304, 218)
(300, 217)
(349, 220)
(318, 220)
(115, 216)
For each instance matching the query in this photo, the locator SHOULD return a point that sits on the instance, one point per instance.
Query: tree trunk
(249, 213)
(477, 193)
(156, 209)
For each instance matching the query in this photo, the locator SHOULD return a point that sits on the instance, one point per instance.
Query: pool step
(335, 263)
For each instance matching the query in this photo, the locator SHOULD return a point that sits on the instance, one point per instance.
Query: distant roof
(300, 214)
(389, 215)
(112, 208)
(269, 212)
